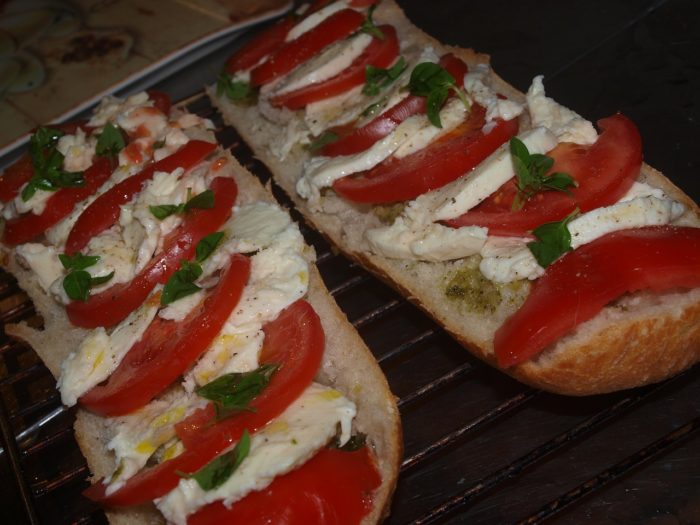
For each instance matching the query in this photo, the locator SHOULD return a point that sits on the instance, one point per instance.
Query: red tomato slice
(440, 162)
(362, 138)
(168, 348)
(577, 286)
(161, 101)
(379, 53)
(310, 494)
(339, 25)
(14, 177)
(604, 172)
(295, 341)
(29, 226)
(105, 209)
(112, 305)
(260, 46)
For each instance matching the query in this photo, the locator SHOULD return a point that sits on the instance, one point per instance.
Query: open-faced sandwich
(183, 314)
(543, 245)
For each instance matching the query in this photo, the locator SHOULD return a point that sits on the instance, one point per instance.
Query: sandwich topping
(199, 346)
(515, 185)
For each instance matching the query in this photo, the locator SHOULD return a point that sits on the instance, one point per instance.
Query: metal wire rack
(480, 447)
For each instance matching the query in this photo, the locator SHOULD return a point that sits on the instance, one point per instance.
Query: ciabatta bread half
(641, 338)
(347, 366)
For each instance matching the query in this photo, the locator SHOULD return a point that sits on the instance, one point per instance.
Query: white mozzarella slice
(508, 259)
(77, 150)
(496, 108)
(229, 352)
(513, 260)
(333, 111)
(451, 116)
(255, 226)
(283, 445)
(634, 213)
(567, 125)
(455, 198)
(143, 432)
(279, 276)
(100, 353)
(432, 243)
(333, 60)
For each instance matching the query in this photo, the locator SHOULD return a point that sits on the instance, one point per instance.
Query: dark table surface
(481, 448)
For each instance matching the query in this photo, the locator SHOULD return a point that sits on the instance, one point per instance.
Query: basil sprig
(110, 142)
(553, 241)
(204, 200)
(531, 173)
(181, 283)
(369, 27)
(218, 470)
(233, 392)
(434, 82)
(47, 162)
(78, 282)
(236, 90)
(378, 78)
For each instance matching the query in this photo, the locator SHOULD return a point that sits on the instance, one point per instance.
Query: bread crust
(348, 365)
(637, 340)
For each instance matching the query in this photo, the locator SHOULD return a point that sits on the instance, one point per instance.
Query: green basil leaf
(559, 181)
(434, 102)
(207, 245)
(218, 470)
(77, 261)
(181, 283)
(101, 279)
(28, 191)
(47, 162)
(70, 179)
(541, 163)
(369, 27)
(518, 150)
(233, 392)
(377, 78)
(204, 200)
(434, 82)
(77, 285)
(110, 142)
(553, 240)
(236, 90)
(43, 139)
(427, 76)
(531, 174)
(163, 211)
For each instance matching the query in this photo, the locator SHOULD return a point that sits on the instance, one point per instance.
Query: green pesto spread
(476, 293)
